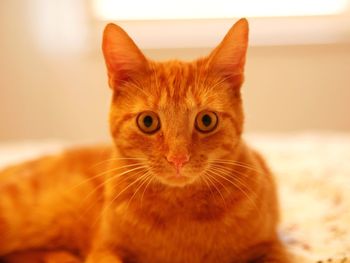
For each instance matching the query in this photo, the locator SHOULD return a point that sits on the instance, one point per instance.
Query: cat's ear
(228, 59)
(123, 58)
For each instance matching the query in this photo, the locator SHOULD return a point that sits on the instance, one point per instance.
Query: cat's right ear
(123, 58)
(228, 59)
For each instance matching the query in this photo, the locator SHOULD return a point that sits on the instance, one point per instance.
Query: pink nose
(178, 160)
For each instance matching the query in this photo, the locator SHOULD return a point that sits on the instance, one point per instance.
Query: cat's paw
(102, 257)
(61, 257)
(41, 257)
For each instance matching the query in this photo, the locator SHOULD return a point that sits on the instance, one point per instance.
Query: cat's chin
(177, 180)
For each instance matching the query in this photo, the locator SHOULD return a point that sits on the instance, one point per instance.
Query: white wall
(50, 93)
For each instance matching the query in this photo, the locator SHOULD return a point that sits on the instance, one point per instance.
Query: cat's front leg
(103, 256)
(273, 253)
(38, 256)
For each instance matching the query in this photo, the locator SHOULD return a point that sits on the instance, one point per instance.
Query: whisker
(237, 180)
(143, 179)
(144, 190)
(197, 79)
(221, 173)
(115, 159)
(232, 170)
(210, 171)
(110, 179)
(240, 164)
(155, 76)
(204, 178)
(126, 188)
(116, 197)
(230, 161)
(230, 174)
(135, 85)
(101, 174)
(205, 78)
(221, 166)
(215, 84)
(217, 189)
(93, 203)
(249, 196)
(122, 167)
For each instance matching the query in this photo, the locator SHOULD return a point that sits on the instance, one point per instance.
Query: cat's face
(176, 117)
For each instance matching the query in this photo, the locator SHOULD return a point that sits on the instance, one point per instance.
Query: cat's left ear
(228, 59)
(123, 58)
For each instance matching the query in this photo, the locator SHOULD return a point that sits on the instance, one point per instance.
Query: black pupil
(147, 121)
(206, 119)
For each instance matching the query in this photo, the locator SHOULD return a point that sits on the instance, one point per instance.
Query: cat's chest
(175, 237)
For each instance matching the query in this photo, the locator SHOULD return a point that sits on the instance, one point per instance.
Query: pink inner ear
(228, 59)
(234, 80)
(123, 58)
(120, 69)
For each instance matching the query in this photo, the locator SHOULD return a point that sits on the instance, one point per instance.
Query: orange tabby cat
(180, 185)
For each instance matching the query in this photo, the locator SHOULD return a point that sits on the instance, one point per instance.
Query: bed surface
(313, 174)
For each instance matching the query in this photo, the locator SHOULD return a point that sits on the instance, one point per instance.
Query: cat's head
(176, 117)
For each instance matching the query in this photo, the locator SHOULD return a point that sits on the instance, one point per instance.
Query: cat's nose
(178, 160)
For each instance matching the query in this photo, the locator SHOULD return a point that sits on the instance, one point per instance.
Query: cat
(179, 185)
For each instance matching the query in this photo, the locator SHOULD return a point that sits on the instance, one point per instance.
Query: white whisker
(238, 164)
(234, 180)
(144, 190)
(101, 174)
(209, 177)
(143, 180)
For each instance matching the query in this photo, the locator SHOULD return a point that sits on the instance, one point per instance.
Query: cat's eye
(148, 122)
(206, 121)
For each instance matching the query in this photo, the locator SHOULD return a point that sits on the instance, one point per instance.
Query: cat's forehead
(174, 77)
(181, 84)
(176, 87)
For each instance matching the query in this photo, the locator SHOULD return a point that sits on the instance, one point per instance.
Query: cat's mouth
(176, 179)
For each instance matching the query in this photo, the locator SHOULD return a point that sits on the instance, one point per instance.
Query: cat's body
(180, 185)
(185, 225)
(44, 207)
(192, 224)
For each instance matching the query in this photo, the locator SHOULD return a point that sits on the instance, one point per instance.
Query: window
(206, 9)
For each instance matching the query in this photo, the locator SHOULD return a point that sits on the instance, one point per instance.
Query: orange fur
(137, 204)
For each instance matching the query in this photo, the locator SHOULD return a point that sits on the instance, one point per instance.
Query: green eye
(206, 121)
(148, 122)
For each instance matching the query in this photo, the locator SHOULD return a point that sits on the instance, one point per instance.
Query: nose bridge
(178, 135)
(178, 145)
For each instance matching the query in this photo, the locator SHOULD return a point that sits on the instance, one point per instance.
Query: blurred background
(53, 80)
